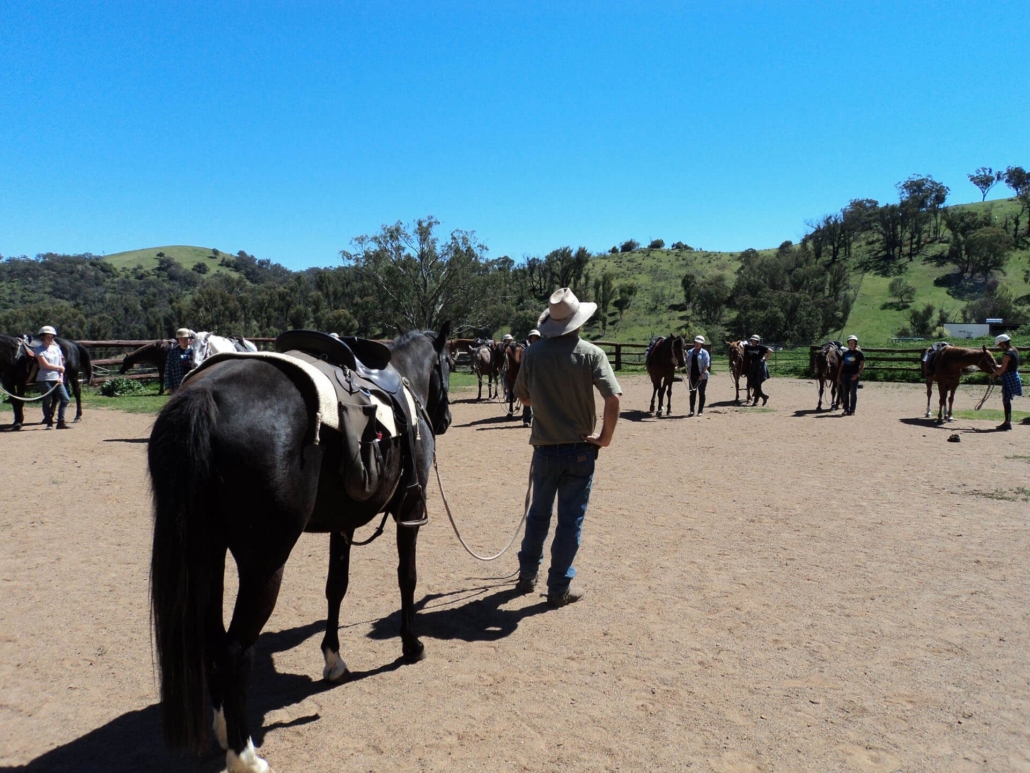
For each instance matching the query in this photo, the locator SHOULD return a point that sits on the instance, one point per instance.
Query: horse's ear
(400, 329)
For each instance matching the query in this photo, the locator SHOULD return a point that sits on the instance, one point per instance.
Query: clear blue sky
(287, 129)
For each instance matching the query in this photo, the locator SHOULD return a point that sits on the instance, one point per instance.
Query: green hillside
(184, 255)
(658, 306)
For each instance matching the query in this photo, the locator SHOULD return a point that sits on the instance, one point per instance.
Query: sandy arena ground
(767, 590)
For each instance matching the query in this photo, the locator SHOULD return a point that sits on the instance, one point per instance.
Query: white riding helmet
(1002, 339)
(699, 339)
(534, 332)
(507, 337)
(755, 337)
(47, 330)
(853, 338)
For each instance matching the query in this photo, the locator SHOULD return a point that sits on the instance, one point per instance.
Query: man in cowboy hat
(557, 378)
(699, 362)
(180, 359)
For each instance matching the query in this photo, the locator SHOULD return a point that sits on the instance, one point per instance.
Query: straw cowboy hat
(564, 314)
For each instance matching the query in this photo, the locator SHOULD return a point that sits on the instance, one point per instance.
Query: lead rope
(987, 393)
(31, 399)
(447, 508)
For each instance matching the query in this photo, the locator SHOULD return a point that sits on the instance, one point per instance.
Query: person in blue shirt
(699, 363)
(852, 365)
(1011, 386)
(180, 359)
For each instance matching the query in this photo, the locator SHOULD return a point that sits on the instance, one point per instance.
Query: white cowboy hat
(1002, 339)
(699, 339)
(852, 338)
(534, 332)
(564, 314)
(183, 332)
(755, 338)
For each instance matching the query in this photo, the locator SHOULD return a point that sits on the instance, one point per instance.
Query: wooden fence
(880, 359)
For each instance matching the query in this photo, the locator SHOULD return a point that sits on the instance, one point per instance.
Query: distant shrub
(656, 244)
(902, 290)
(629, 245)
(200, 268)
(120, 387)
(614, 250)
(160, 254)
(681, 246)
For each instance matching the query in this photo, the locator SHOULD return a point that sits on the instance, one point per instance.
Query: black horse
(155, 353)
(16, 361)
(234, 466)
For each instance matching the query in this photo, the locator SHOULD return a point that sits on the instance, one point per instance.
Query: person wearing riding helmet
(180, 359)
(852, 365)
(757, 371)
(50, 379)
(1011, 386)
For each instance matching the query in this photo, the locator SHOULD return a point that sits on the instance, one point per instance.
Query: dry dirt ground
(767, 590)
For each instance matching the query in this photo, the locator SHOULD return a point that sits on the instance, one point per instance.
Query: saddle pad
(327, 411)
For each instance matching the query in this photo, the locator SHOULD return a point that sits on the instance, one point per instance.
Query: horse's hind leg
(654, 394)
(335, 589)
(258, 592)
(77, 389)
(407, 578)
(668, 399)
(929, 394)
(214, 628)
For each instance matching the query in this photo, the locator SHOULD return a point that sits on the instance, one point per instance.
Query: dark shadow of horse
(663, 357)
(238, 465)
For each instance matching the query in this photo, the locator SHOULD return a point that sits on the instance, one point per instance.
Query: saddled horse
(949, 365)
(488, 363)
(927, 367)
(154, 353)
(740, 360)
(828, 362)
(207, 344)
(235, 465)
(665, 355)
(17, 363)
(513, 352)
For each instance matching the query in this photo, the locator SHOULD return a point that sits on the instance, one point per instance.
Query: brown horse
(740, 359)
(948, 367)
(513, 361)
(488, 363)
(664, 356)
(827, 366)
(155, 353)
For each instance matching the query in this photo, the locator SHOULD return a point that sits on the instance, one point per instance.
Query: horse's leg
(479, 380)
(259, 589)
(668, 396)
(77, 387)
(951, 401)
(929, 394)
(942, 398)
(407, 578)
(335, 589)
(161, 379)
(819, 405)
(654, 393)
(214, 631)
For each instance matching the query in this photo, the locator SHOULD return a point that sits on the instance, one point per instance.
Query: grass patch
(1019, 494)
(990, 414)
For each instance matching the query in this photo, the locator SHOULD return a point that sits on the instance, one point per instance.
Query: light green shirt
(558, 375)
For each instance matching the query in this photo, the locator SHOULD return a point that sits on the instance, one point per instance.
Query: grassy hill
(187, 256)
(658, 306)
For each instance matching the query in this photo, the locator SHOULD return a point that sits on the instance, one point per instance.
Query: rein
(990, 388)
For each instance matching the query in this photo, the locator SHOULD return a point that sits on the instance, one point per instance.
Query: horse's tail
(181, 563)
(86, 362)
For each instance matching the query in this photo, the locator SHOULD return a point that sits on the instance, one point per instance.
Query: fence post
(618, 356)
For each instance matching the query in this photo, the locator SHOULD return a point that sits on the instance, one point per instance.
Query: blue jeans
(848, 393)
(566, 472)
(61, 394)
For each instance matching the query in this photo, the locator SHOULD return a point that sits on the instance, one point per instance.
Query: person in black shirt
(757, 371)
(1011, 386)
(180, 360)
(852, 365)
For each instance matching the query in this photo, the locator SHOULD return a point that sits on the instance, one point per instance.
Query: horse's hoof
(15, 427)
(77, 419)
(335, 670)
(415, 653)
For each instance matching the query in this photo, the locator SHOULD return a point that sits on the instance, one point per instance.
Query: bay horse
(155, 353)
(488, 363)
(513, 362)
(17, 360)
(740, 360)
(662, 359)
(235, 466)
(828, 362)
(949, 365)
